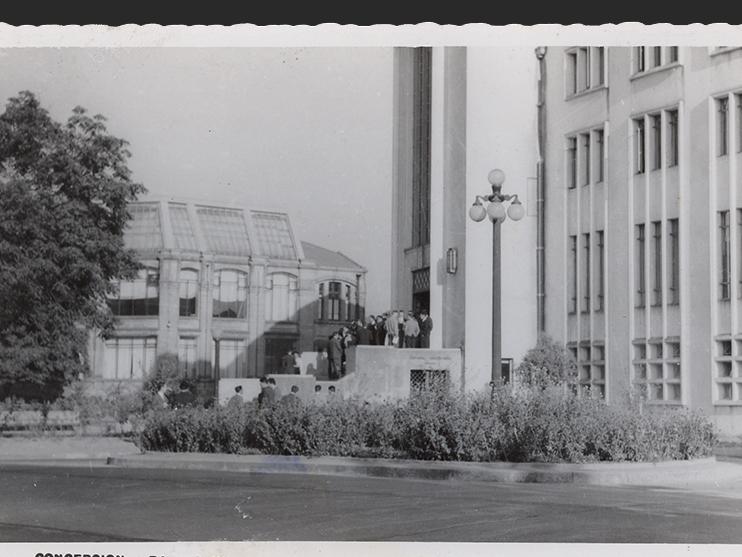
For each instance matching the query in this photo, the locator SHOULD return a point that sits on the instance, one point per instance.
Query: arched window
(230, 294)
(140, 296)
(281, 297)
(188, 287)
(336, 301)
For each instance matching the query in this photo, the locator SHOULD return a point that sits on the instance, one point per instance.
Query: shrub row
(520, 425)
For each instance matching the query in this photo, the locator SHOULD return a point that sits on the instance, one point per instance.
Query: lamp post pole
(496, 304)
(497, 214)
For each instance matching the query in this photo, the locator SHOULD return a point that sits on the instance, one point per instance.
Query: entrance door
(275, 349)
(421, 290)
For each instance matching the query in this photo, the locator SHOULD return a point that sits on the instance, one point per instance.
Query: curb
(673, 473)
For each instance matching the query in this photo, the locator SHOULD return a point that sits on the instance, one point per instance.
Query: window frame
(218, 283)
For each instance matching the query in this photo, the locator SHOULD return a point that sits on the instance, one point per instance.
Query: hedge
(516, 425)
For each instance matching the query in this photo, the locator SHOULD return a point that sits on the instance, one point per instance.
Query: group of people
(395, 328)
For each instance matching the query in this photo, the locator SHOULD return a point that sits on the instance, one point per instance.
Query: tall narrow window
(672, 54)
(639, 154)
(672, 137)
(656, 56)
(722, 125)
(281, 297)
(188, 291)
(572, 272)
(230, 294)
(656, 121)
(673, 287)
(738, 101)
(640, 266)
(571, 73)
(421, 87)
(584, 73)
(724, 255)
(600, 266)
(585, 273)
(601, 65)
(321, 302)
(187, 359)
(599, 155)
(334, 299)
(639, 59)
(585, 158)
(571, 162)
(657, 263)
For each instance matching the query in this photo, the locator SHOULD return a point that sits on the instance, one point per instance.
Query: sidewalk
(707, 472)
(14, 449)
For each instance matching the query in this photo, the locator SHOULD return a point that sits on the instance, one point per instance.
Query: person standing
(411, 331)
(380, 331)
(296, 358)
(363, 334)
(335, 356)
(391, 329)
(400, 328)
(426, 325)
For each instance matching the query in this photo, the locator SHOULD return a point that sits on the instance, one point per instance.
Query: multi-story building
(643, 183)
(460, 112)
(228, 291)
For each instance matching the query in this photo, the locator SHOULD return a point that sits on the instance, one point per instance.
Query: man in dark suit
(335, 356)
(426, 325)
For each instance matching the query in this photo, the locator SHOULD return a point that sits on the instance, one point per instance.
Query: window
(600, 267)
(639, 154)
(129, 358)
(571, 162)
(657, 263)
(422, 380)
(336, 301)
(585, 158)
(672, 138)
(224, 230)
(572, 274)
(656, 56)
(724, 255)
(673, 287)
(138, 297)
(599, 155)
(571, 73)
(585, 273)
(274, 234)
(672, 54)
(738, 101)
(583, 57)
(187, 359)
(188, 287)
(600, 51)
(591, 370)
(640, 269)
(657, 378)
(722, 126)
(656, 121)
(232, 357)
(281, 297)
(726, 372)
(421, 91)
(230, 294)
(639, 59)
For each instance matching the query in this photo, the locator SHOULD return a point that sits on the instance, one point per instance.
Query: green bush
(525, 424)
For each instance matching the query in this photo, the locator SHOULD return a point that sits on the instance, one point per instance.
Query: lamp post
(497, 214)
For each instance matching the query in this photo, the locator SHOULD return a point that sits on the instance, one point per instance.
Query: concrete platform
(676, 473)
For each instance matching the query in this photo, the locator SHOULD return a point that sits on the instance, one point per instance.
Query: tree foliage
(64, 190)
(547, 363)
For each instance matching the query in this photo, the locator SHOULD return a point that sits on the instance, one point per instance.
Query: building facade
(643, 218)
(228, 291)
(454, 121)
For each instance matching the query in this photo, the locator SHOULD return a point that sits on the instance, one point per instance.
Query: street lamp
(497, 213)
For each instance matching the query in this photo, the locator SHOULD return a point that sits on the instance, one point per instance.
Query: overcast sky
(303, 130)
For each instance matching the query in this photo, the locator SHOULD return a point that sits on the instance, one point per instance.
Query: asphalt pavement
(88, 501)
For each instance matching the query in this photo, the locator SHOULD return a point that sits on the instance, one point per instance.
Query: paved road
(100, 503)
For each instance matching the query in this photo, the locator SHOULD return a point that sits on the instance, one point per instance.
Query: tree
(64, 190)
(547, 363)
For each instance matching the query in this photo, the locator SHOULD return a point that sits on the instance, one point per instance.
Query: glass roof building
(225, 292)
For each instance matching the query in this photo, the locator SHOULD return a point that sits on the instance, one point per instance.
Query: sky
(307, 131)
